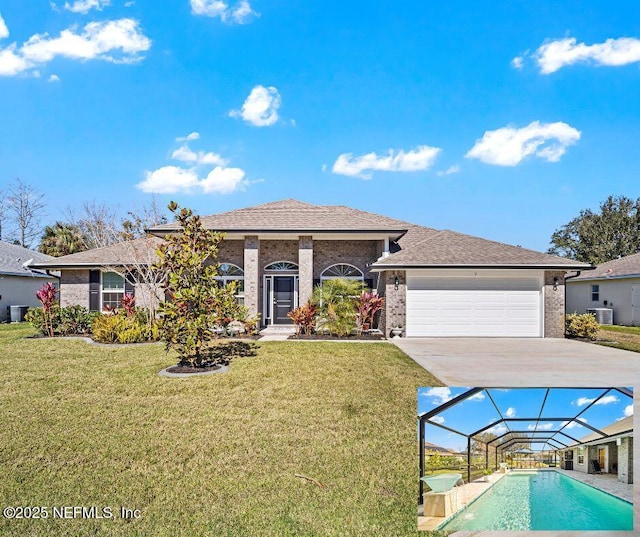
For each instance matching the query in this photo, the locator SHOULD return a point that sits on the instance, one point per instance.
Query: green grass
(620, 337)
(216, 455)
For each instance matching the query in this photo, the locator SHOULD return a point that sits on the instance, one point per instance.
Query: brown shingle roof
(128, 252)
(427, 247)
(628, 266)
(617, 427)
(294, 215)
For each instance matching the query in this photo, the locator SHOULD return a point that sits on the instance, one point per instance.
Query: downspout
(578, 272)
(421, 440)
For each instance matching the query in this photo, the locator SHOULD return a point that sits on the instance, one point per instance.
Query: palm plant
(61, 239)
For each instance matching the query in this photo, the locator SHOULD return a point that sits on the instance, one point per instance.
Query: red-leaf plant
(128, 302)
(369, 303)
(47, 297)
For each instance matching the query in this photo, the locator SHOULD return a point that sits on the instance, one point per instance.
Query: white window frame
(226, 278)
(324, 278)
(115, 290)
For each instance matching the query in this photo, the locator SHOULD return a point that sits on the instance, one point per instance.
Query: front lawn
(217, 455)
(620, 337)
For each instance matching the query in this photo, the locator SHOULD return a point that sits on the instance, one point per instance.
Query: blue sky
(478, 411)
(497, 119)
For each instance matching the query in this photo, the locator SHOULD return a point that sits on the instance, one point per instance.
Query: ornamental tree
(196, 304)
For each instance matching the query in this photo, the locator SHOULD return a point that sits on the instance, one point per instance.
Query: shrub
(369, 303)
(336, 303)
(59, 321)
(74, 320)
(584, 326)
(304, 318)
(122, 328)
(47, 297)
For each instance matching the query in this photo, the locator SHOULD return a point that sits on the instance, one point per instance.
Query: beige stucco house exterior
(19, 281)
(614, 285)
(435, 283)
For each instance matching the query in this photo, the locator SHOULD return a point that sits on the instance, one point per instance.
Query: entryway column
(305, 268)
(252, 273)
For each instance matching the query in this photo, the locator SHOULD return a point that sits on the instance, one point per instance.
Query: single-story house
(19, 281)
(613, 453)
(614, 285)
(435, 283)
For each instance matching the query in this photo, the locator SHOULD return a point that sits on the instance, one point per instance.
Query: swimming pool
(544, 500)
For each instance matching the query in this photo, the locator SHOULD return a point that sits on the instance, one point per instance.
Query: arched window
(228, 272)
(342, 270)
(281, 266)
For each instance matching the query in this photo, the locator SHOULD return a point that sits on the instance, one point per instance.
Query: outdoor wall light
(555, 283)
(396, 283)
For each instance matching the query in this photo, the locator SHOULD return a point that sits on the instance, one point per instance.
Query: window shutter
(316, 282)
(369, 283)
(94, 290)
(129, 288)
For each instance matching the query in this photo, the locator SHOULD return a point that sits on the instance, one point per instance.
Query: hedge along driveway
(217, 455)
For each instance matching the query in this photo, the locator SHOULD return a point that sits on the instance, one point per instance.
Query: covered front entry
(280, 294)
(479, 303)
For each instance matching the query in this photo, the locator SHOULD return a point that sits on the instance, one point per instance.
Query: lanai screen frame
(425, 419)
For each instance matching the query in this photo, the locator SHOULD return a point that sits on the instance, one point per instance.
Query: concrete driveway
(522, 362)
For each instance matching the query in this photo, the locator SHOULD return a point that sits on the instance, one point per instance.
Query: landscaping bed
(215, 455)
(351, 337)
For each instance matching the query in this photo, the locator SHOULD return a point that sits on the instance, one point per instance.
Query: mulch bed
(192, 370)
(351, 337)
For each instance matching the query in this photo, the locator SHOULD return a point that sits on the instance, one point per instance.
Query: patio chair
(595, 467)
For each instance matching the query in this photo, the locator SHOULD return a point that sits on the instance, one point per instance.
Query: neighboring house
(614, 453)
(18, 280)
(435, 283)
(615, 285)
(430, 448)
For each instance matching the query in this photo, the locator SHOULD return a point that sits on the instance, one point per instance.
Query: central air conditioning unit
(602, 315)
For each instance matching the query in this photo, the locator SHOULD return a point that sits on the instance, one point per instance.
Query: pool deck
(606, 482)
(470, 491)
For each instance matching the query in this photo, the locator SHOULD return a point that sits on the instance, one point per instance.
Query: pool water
(545, 500)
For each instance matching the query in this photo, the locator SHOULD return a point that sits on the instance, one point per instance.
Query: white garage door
(473, 307)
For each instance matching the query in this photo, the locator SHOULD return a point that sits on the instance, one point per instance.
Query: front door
(283, 298)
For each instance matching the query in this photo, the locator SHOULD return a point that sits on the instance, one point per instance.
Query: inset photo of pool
(521, 459)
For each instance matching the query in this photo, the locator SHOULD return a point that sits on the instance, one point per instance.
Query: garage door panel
(481, 307)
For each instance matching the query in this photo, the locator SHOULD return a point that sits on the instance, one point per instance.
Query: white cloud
(440, 395)
(261, 107)
(118, 41)
(222, 180)
(173, 179)
(53, 78)
(437, 419)
(555, 55)
(185, 154)
(129, 4)
(239, 13)
(499, 429)
(606, 400)
(420, 158)
(84, 6)
(628, 411)
(169, 180)
(573, 424)
(541, 427)
(189, 137)
(508, 146)
(476, 397)
(4, 31)
(517, 62)
(511, 412)
(449, 171)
